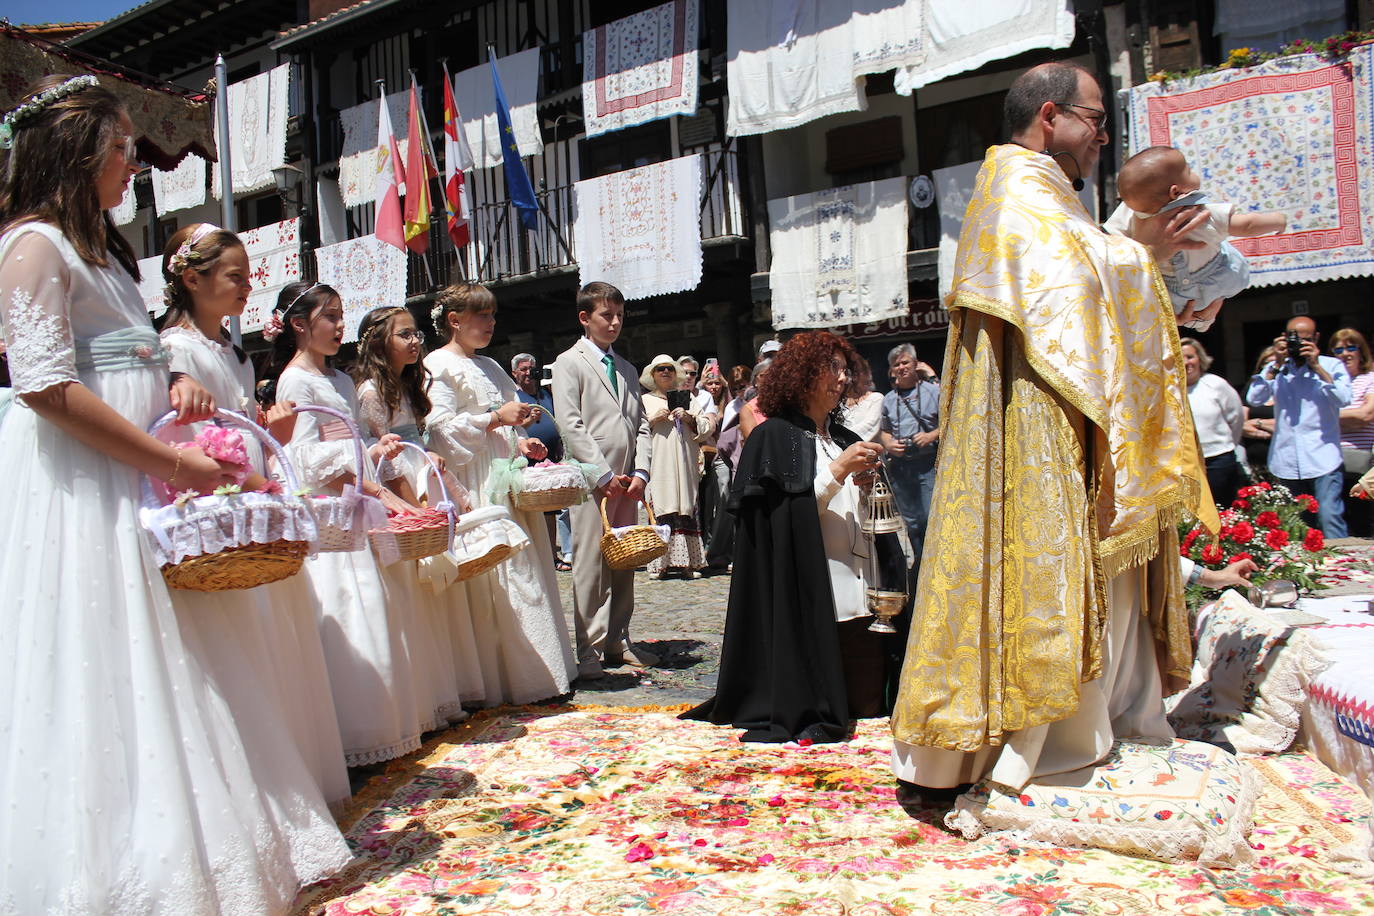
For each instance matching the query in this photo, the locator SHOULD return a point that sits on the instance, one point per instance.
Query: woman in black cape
(798, 662)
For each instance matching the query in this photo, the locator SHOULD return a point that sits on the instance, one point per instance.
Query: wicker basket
(553, 500)
(485, 538)
(633, 547)
(342, 520)
(414, 537)
(242, 566)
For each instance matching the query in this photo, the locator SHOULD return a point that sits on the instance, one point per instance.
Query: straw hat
(646, 378)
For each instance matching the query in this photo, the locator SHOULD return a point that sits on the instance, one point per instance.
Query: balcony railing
(503, 250)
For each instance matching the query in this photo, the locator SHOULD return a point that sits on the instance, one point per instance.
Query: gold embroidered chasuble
(1067, 455)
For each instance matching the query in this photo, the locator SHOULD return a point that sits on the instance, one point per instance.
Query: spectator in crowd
(1259, 424)
(1308, 391)
(909, 434)
(750, 415)
(1218, 417)
(728, 442)
(689, 379)
(676, 432)
(1357, 421)
(863, 407)
(524, 368)
(767, 349)
(715, 472)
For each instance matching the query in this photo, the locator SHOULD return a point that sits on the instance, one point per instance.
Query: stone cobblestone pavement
(678, 620)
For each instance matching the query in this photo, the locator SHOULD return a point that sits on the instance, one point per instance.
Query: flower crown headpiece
(37, 103)
(272, 330)
(182, 257)
(381, 320)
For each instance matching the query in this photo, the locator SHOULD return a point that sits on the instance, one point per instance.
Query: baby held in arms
(1157, 182)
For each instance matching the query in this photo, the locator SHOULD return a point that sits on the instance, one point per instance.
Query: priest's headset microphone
(1077, 182)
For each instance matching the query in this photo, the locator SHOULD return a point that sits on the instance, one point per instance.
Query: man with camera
(909, 432)
(1308, 391)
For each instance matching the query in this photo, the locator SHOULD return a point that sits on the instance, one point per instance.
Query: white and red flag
(457, 161)
(390, 227)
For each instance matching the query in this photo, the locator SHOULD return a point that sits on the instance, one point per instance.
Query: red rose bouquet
(1265, 525)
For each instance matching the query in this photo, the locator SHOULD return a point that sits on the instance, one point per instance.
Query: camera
(1294, 343)
(679, 398)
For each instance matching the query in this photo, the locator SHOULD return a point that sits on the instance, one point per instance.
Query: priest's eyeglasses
(1098, 120)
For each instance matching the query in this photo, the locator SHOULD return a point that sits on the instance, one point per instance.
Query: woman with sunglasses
(1357, 421)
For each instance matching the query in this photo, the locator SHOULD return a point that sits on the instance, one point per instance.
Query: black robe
(781, 673)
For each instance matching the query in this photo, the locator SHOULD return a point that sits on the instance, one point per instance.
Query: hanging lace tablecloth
(960, 36)
(839, 256)
(358, 157)
(367, 273)
(181, 188)
(640, 229)
(640, 68)
(476, 100)
(257, 130)
(1292, 134)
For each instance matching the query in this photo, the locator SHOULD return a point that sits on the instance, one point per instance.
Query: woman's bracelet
(176, 468)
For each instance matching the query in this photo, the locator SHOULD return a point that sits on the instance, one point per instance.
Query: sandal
(560, 566)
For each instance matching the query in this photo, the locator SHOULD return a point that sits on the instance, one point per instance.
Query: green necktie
(609, 360)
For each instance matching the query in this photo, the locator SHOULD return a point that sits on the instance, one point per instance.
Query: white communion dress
(377, 645)
(126, 785)
(457, 667)
(273, 628)
(517, 616)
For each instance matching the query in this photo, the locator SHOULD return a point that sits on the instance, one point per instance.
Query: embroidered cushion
(1249, 680)
(1170, 800)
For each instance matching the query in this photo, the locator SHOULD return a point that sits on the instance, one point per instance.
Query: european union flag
(518, 187)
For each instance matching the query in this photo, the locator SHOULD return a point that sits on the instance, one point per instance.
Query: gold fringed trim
(1139, 545)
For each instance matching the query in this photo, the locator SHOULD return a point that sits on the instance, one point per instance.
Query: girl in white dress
(379, 649)
(391, 397)
(517, 616)
(127, 787)
(271, 628)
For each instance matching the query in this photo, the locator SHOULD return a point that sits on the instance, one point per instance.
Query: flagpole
(226, 170)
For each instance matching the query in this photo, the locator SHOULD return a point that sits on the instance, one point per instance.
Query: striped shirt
(1361, 387)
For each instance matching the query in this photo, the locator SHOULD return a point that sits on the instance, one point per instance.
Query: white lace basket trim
(555, 478)
(1226, 848)
(210, 524)
(481, 531)
(343, 521)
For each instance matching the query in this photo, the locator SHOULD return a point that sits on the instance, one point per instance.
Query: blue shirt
(1307, 409)
(915, 410)
(546, 431)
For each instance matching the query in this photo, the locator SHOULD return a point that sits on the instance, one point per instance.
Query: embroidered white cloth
(1293, 134)
(151, 284)
(367, 273)
(888, 34)
(959, 36)
(127, 209)
(274, 260)
(257, 130)
(640, 230)
(181, 188)
(358, 157)
(788, 62)
(953, 191)
(640, 68)
(476, 100)
(839, 256)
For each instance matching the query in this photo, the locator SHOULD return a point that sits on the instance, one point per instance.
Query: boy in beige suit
(600, 414)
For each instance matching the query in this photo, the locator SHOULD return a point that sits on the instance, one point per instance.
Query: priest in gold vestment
(1049, 613)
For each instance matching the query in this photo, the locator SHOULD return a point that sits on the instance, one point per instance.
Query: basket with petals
(632, 546)
(228, 539)
(414, 536)
(344, 519)
(542, 487)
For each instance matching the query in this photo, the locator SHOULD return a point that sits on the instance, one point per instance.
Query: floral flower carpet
(577, 811)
